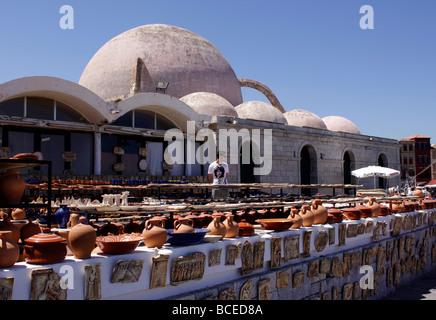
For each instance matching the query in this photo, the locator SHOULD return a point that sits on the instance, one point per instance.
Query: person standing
(218, 174)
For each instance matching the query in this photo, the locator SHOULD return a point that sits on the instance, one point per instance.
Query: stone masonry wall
(403, 248)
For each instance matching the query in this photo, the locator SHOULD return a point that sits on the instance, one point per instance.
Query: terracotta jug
(319, 211)
(183, 225)
(73, 220)
(293, 214)
(11, 187)
(29, 229)
(81, 239)
(216, 227)
(7, 225)
(154, 233)
(232, 227)
(375, 206)
(307, 215)
(9, 250)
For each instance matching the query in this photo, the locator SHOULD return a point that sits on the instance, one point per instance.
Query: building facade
(416, 159)
(154, 78)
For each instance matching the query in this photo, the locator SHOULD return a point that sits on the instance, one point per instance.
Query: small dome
(209, 103)
(259, 110)
(303, 118)
(340, 124)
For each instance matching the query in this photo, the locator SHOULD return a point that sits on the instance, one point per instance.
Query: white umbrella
(375, 171)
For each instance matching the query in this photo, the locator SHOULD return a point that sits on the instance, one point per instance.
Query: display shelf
(15, 164)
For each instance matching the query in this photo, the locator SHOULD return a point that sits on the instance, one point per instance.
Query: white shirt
(219, 172)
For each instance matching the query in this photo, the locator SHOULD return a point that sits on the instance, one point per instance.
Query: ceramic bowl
(120, 244)
(276, 224)
(352, 213)
(186, 239)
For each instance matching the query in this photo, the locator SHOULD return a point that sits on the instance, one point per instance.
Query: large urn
(307, 215)
(319, 211)
(7, 225)
(11, 187)
(216, 227)
(81, 239)
(375, 206)
(232, 227)
(9, 250)
(183, 225)
(154, 233)
(293, 214)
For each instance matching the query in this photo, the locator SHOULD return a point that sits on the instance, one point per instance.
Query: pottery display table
(180, 271)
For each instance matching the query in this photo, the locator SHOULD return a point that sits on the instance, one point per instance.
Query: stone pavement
(421, 289)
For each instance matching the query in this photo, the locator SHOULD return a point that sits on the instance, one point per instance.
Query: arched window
(40, 108)
(145, 119)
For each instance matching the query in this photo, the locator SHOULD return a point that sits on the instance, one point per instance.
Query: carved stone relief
(46, 285)
(190, 267)
(159, 271)
(127, 271)
(276, 253)
(93, 282)
(6, 287)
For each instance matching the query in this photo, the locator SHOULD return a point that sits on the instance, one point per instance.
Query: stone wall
(328, 152)
(402, 248)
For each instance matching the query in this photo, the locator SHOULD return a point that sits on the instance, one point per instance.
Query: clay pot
(216, 227)
(384, 211)
(418, 193)
(108, 228)
(133, 227)
(197, 221)
(11, 187)
(18, 214)
(45, 248)
(183, 225)
(81, 239)
(307, 215)
(245, 229)
(375, 206)
(29, 229)
(336, 214)
(293, 214)
(409, 206)
(273, 213)
(398, 206)
(206, 219)
(154, 233)
(9, 250)
(319, 211)
(232, 227)
(352, 213)
(219, 214)
(7, 225)
(365, 211)
(261, 214)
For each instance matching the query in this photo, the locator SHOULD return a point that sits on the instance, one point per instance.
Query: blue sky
(311, 53)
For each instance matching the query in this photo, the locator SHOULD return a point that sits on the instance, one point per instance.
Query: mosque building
(157, 77)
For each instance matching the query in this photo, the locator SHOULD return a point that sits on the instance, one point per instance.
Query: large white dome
(153, 53)
(340, 124)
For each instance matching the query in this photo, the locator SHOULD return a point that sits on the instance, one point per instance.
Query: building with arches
(157, 77)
